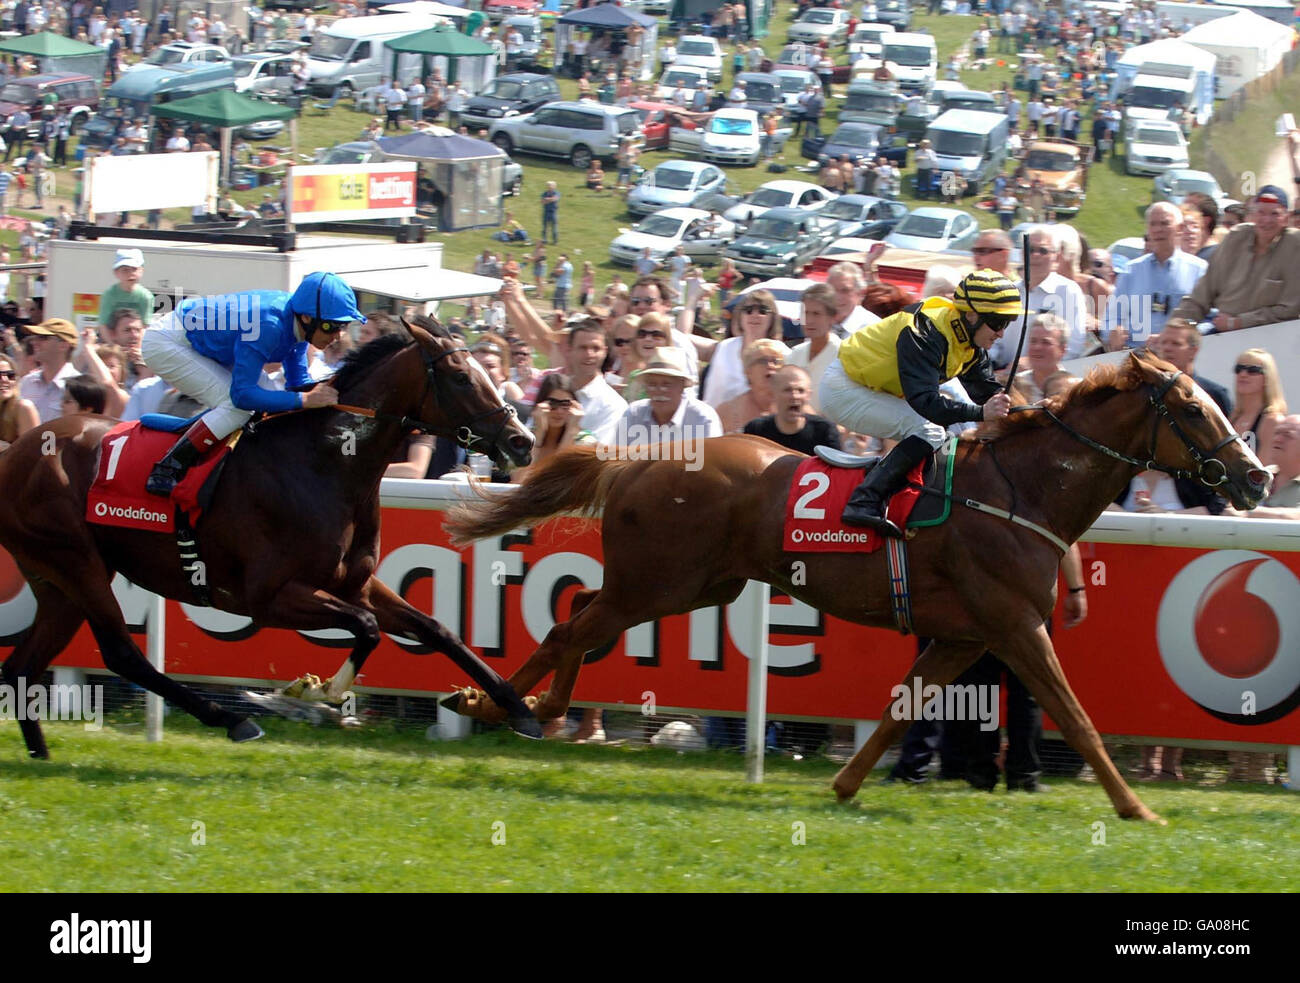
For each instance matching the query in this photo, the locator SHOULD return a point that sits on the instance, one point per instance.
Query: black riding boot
(867, 503)
(168, 472)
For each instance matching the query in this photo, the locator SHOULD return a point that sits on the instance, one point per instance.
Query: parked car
(264, 73)
(699, 51)
(510, 95)
(730, 136)
(821, 24)
(805, 57)
(263, 129)
(1062, 166)
(700, 235)
(781, 241)
(794, 81)
(531, 30)
(778, 194)
(180, 53)
(762, 91)
(1155, 146)
(497, 10)
(935, 230)
(657, 118)
(857, 141)
(689, 77)
(980, 102)
(897, 13)
(868, 40)
(1177, 183)
(864, 216)
(675, 183)
(579, 131)
(869, 101)
(352, 152)
(1124, 251)
(76, 93)
(849, 244)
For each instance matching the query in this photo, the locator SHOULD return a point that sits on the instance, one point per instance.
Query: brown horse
(290, 538)
(978, 581)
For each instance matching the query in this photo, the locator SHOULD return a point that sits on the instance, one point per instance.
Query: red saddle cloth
(818, 495)
(127, 455)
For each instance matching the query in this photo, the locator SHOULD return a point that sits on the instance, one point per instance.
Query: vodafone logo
(1228, 626)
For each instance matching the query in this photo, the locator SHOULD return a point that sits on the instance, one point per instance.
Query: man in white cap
(667, 414)
(128, 265)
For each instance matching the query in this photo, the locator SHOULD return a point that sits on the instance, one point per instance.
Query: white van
(351, 53)
(912, 58)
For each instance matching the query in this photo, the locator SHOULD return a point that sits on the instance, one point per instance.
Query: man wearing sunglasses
(886, 381)
(214, 349)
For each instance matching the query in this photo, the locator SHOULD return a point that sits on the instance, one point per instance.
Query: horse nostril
(1258, 477)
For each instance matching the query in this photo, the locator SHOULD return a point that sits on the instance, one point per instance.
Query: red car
(658, 117)
(509, 8)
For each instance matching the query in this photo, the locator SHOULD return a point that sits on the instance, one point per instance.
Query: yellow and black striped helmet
(988, 292)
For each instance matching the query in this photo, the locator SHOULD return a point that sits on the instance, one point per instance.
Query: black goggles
(331, 327)
(997, 322)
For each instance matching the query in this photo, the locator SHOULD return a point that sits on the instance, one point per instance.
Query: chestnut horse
(978, 581)
(290, 538)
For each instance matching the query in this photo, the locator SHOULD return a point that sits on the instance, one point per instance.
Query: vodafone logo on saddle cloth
(1228, 632)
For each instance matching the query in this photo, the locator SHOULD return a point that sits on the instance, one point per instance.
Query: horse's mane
(1100, 382)
(358, 362)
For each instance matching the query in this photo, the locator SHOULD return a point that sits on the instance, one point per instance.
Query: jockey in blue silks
(215, 348)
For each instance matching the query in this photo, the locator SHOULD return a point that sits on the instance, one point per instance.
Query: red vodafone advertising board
(1179, 643)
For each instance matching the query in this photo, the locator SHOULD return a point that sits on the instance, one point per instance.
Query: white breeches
(871, 412)
(168, 352)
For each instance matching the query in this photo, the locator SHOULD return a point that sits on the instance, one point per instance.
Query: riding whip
(1024, 324)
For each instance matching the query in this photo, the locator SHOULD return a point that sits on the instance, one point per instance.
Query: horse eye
(1194, 409)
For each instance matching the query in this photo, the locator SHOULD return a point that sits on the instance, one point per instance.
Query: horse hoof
(1144, 814)
(245, 730)
(40, 754)
(526, 727)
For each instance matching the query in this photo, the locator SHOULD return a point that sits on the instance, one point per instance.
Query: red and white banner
(1179, 643)
(344, 192)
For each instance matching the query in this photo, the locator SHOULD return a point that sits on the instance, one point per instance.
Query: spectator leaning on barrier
(1252, 277)
(1283, 501)
(850, 288)
(761, 358)
(1152, 285)
(1261, 404)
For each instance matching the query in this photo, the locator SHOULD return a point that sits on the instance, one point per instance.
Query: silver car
(579, 131)
(701, 236)
(821, 24)
(675, 183)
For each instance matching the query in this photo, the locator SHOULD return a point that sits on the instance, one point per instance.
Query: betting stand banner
(350, 192)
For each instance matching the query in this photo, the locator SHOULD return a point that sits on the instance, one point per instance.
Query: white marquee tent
(1246, 46)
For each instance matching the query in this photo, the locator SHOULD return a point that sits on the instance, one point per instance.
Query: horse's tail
(574, 481)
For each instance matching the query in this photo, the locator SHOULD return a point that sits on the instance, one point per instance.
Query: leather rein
(463, 435)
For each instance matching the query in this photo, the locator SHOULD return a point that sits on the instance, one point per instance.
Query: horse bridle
(1206, 464)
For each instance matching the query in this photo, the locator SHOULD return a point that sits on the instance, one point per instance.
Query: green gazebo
(448, 43)
(227, 110)
(55, 53)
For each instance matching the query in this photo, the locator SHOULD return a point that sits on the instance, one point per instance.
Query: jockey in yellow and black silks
(886, 382)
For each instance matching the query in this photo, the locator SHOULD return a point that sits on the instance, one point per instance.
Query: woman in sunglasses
(17, 415)
(1259, 402)
(213, 350)
(885, 383)
(557, 418)
(625, 350)
(754, 317)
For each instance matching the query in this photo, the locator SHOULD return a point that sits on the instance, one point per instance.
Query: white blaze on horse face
(475, 367)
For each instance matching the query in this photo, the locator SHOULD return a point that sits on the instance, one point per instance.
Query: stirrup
(880, 523)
